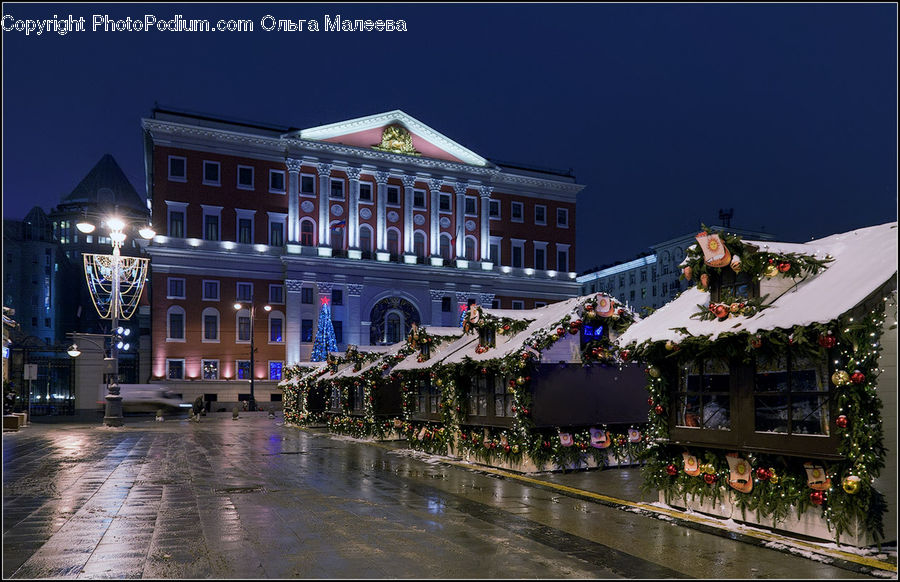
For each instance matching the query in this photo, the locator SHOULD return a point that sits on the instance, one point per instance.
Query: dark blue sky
(667, 113)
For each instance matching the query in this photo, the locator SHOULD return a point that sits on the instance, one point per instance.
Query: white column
(293, 225)
(292, 321)
(353, 209)
(437, 296)
(435, 235)
(460, 235)
(484, 253)
(409, 183)
(354, 316)
(381, 178)
(324, 191)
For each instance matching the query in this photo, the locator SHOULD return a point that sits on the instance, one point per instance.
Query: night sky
(667, 113)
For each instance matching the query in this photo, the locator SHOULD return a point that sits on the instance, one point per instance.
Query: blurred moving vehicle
(145, 398)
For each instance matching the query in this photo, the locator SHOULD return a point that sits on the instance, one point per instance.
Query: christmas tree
(325, 341)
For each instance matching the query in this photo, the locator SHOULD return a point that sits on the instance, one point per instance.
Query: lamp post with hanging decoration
(116, 284)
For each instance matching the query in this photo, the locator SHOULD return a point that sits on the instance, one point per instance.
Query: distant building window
(276, 234)
(177, 169)
(337, 188)
(210, 325)
(516, 304)
(540, 214)
(176, 288)
(276, 325)
(176, 223)
(176, 324)
(307, 238)
(338, 331)
(306, 295)
(306, 330)
(494, 209)
(276, 293)
(393, 195)
(211, 227)
(245, 177)
(276, 181)
(243, 326)
(210, 290)
(308, 184)
(446, 202)
(211, 173)
(445, 304)
(365, 192)
(244, 291)
(562, 217)
(245, 231)
(175, 369)
(517, 212)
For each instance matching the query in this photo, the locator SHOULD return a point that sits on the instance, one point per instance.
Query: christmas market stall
(767, 382)
(303, 399)
(545, 388)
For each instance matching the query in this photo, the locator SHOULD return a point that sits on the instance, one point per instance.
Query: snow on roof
(438, 354)
(305, 369)
(540, 318)
(864, 260)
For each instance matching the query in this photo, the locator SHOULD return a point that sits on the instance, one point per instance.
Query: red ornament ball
(784, 267)
(484, 370)
(671, 469)
(817, 497)
(827, 341)
(763, 474)
(650, 402)
(857, 377)
(842, 421)
(560, 331)
(658, 409)
(710, 478)
(624, 354)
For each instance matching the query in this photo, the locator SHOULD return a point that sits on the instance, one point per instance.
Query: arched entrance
(391, 319)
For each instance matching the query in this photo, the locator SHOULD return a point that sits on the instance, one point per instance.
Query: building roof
(106, 185)
(864, 260)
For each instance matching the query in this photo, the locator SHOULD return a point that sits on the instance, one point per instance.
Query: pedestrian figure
(159, 415)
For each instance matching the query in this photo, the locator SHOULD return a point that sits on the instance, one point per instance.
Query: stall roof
(307, 368)
(864, 260)
(437, 354)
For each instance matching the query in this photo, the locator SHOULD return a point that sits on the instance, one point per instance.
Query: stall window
(704, 399)
(790, 395)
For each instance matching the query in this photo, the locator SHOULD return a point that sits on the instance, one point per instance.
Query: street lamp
(237, 307)
(115, 283)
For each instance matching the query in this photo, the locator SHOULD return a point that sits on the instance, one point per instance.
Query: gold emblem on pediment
(397, 140)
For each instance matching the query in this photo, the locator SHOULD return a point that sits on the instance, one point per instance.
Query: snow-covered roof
(540, 318)
(864, 260)
(305, 369)
(438, 354)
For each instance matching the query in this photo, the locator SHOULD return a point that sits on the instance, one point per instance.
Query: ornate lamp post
(115, 283)
(238, 306)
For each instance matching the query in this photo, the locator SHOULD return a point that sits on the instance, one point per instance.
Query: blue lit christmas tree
(325, 341)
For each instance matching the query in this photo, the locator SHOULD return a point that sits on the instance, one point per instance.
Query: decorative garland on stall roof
(844, 491)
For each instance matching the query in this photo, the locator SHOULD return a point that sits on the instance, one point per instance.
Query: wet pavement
(251, 498)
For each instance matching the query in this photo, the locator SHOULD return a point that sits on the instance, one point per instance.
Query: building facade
(383, 217)
(652, 280)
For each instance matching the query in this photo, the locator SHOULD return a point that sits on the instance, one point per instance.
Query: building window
(365, 238)
(176, 288)
(562, 217)
(365, 192)
(470, 248)
(306, 330)
(245, 177)
(243, 325)
(276, 233)
(418, 198)
(245, 231)
(210, 325)
(175, 321)
(306, 295)
(393, 195)
(494, 209)
(518, 304)
(445, 304)
(337, 297)
(276, 329)
(338, 331)
(517, 212)
(276, 293)
(244, 291)
(275, 370)
(176, 223)
(446, 247)
(562, 258)
(393, 241)
(540, 214)
(446, 202)
(210, 369)
(308, 184)
(643, 275)
(518, 253)
(175, 369)
(243, 369)
(211, 227)
(494, 250)
(211, 172)
(471, 206)
(337, 188)
(276, 181)
(307, 236)
(540, 257)
(177, 169)
(419, 244)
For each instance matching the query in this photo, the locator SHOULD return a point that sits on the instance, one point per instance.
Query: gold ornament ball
(840, 378)
(774, 478)
(851, 484)
(771, 271)
(708, 468)
(653, 371)
(439, 382)
(670, 345)
(520, 380)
